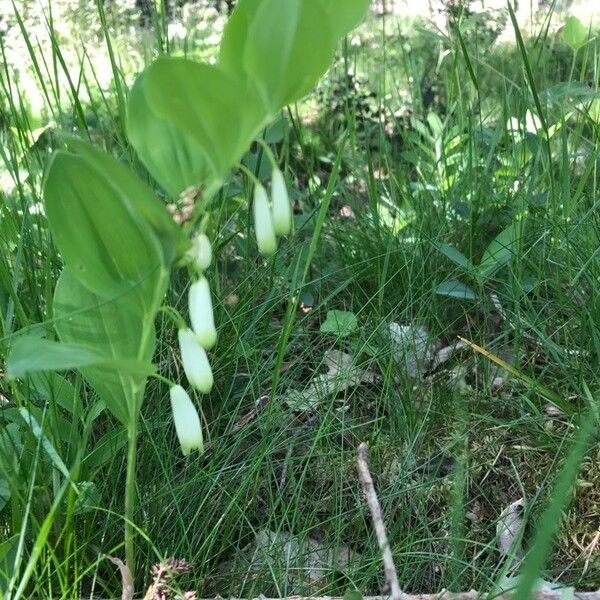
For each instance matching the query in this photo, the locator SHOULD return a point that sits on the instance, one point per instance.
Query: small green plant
(499, 253)
(190, 124)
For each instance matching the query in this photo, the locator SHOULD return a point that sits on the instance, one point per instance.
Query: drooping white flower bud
(187, 421)
(282, 209)
(201, 251)
(201, 313)
(263, 222)
(195, 362)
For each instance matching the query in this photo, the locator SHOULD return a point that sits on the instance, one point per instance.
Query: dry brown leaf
(509, 529)
(413, 348)
(341, 375)
(308, 561)
(126, 578)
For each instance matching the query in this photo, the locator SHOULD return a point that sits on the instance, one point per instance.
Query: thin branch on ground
(371, 496)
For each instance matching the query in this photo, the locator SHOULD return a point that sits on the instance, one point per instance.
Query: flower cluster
(275, 220)
(193, 344)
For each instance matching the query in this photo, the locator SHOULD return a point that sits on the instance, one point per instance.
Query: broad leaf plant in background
(190, 124)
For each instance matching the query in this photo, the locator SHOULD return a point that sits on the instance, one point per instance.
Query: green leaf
(345, 15)
(284, 47)
(8, 558)
(501, 250)
(10, 442)
(455, 289)
(45, 442)
(173, 157)
(292, 46)
(106, 246)
(120, 328)
(353, 595)
(454, 255)
(235, 35)
(276, 131)
(88, 497)
(51, 386)
(4, 493)
(436, 125)
(219, 111)
(572, 91)
(340, 322)
(31, 354)
(141, 198)
(105, 449)
(5, 548)
(106, 299)
(574, 33)
(594, 111)
(11, 445)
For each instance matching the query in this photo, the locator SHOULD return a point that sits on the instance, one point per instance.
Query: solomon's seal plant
(190, 124)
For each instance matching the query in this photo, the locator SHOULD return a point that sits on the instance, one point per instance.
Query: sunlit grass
(449, 451)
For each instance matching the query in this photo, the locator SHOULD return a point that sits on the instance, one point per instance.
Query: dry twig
(375, 508)
(126, 578)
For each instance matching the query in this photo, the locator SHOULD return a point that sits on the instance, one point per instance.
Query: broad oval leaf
(574, 33)
(292, 45)
(120, 328)
(29, 354)
(345, 15)
(46, 443)
(141, 198)
(340, 322)
(455, 289)
(284, 47)
(33, 355)
(105, 245)
(218, 110)
(501, 250)
(235, 35)
(55, 387)
(173, 157)
(455, 255)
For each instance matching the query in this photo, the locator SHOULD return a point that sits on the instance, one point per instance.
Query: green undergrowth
(404, 157)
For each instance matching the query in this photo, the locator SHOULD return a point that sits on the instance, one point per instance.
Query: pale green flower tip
(195, 361)
(207, 339)
(201, 313)
(201, 251)
(187, 421)
(263, 222)
(282, 209)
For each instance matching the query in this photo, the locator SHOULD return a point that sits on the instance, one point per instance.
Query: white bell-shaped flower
(195, 362)
(187, 421)
(282, 209)
(201, 251)
(201, 313)
(263, 222)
